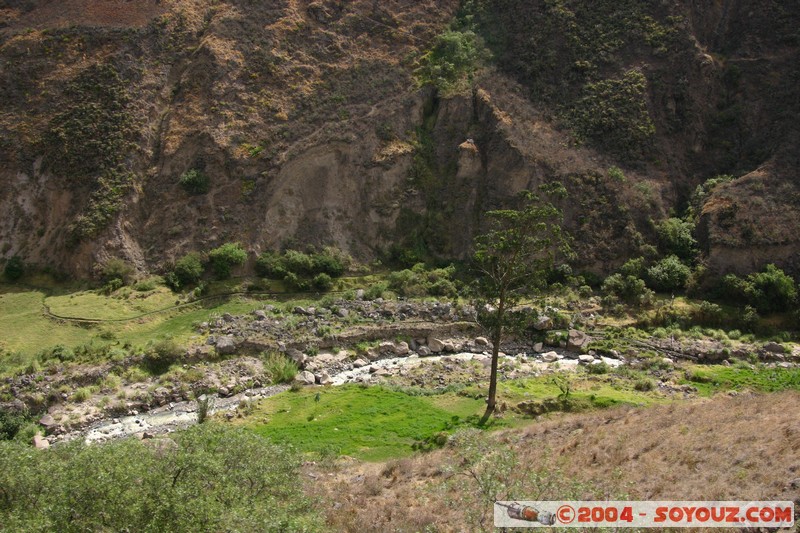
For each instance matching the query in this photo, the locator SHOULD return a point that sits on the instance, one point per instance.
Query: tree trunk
(497, 336)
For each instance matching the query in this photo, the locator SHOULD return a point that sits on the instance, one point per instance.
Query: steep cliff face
(307, 120)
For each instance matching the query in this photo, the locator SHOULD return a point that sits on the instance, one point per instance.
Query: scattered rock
(435, 345)
(359, 363)
(585, 359)
(305, 378)
(774, 347)
(543, 323)
(40, 443)
(538, 347)
(424, 351)
(260, 314)
(401, 349)
(48, 421)
(577, 340)
(323, 378)
(550, 357)
(481, 341)
(225, 345)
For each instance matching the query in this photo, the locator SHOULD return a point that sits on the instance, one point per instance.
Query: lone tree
(512, 261)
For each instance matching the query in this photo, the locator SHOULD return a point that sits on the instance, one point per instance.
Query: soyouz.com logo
(740, 514)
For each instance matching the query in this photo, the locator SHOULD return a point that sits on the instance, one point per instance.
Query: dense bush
(208, 478)
(322, 282)
(675, 238)
(329, 261)
(452, 61)
(772, 290)
(225, 257)
(629, 289)
(161, 355)
(14, 268)
(194, 181)
(768, 291)
(116, 269)
(187, 271)
(418, 281)
(669, 274)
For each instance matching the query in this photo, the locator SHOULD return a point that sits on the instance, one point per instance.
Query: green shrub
(82, 394)
(222, 259)
(633, 267)
(768, 291)
(675, 238)
(644, 385)
(10, 424)
(630, 289)
(161, 356)
(669, 274)
(208, 478)
(187, 271)
(452, 61)
(322, 282)
(14, 268)
(615, 173)
(280, 368)
(294, 282)
(270, 265)
(194, 181)
(418, 281)
(376, 291)
(599, 368)
(772, 290)
(117, 269)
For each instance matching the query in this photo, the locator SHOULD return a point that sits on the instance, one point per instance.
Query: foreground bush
(209, 478)
(329, 261)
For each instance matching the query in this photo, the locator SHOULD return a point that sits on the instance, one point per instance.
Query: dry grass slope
(729, 447)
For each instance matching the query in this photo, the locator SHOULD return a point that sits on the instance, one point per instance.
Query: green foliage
(194, 181)
(280, 368)
(616, 174)
(419, 281)
(629, 289)
(669, 274)
(376, 290)
(322, 282)
(187, 271)
(225, 257)
(329, 261)
(14, 268)
(675, 237)
(633, 267)
(768, 291)
(209, 478)
(453, 60)
(613, 114)
(10, 424)
(161, 355)
(772, 290)
(116, 269)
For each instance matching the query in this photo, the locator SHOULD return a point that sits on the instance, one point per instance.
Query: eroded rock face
(310, 132)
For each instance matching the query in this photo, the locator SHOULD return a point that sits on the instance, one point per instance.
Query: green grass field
(25, 330)
(371, 423)
(712, 379)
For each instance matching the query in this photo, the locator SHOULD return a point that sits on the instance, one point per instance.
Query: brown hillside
(727, 448)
